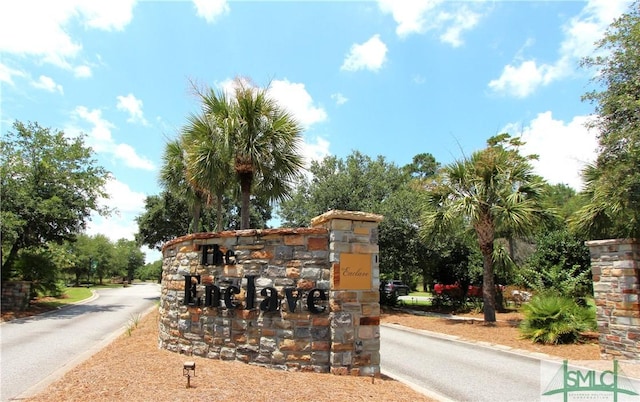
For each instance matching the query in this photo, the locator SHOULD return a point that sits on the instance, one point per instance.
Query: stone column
(15, 295)
(354, 297)
(615, 265)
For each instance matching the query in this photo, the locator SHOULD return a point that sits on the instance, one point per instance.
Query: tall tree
(422, 166)
(175, 178)
(263, 139)
(127, 258)
(362, 183)
(49, 186)
(208, 160)
(612, 183)
(493, 188)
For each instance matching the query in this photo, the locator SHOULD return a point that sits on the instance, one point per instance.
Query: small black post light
(187, 368)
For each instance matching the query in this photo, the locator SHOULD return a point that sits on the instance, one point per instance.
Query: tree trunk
(485, 232)
(488, 289)
(195, 225)
(245, 188)
(219, 214)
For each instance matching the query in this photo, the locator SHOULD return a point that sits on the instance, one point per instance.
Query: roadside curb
(418, 388)
(94, 296)
(61, 371)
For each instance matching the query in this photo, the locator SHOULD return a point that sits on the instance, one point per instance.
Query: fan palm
(493, 188)
(262, 139)
(175, 179)
(207, 161)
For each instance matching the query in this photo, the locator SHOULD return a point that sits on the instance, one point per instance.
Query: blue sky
(389, 77)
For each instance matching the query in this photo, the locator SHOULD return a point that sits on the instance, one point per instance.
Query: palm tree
(175, 179)
(493, 188)
(261, 138)
(208, 161)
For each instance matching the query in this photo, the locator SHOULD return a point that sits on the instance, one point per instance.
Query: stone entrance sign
(297, 299)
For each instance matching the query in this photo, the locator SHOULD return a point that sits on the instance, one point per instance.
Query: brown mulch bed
(504, 332)
(132, 368)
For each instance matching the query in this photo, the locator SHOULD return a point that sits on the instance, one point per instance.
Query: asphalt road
(450, 370)
(36, 350)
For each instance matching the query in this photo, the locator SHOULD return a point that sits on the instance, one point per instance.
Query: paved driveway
(36, 350)
(451, 370)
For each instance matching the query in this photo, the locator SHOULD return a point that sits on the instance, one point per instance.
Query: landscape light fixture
(187, 368)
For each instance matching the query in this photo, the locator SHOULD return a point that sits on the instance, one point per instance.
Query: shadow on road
(69, 312)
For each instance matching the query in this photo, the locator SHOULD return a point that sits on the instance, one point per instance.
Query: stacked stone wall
(269, 297)
(15, 295)
(615, 266)
(355, 313)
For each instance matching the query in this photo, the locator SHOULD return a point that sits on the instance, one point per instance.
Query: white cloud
(411, 16)
(339, 98)
(82, 71)
(127, 200)
(100, 139)
(449, 19)
(108, 16)
(462, 20)
(48, 84)
(128, 154)
(369, 55)
(7, 73)
(564, 148)
(520, 81)
(133, 106)
(295, 98)
(315, 151)
(121, 223)
(38, 28)
(210, 10)
(580, 34)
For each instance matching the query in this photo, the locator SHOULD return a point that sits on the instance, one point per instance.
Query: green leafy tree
(37, 265)
(493, 188)
(361, 183)
(152, 271)
(563, 199)
(165, 217)
(357, 183)
(127, 258)
(49, 186)
(102, 257)
(612, 183)
(263, 140)
(422, 166)
(560, 263)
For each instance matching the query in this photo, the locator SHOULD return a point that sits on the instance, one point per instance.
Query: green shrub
(560, 263)
(554, 319)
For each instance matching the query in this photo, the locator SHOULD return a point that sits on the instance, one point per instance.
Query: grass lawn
(70, 295)
(423, 294)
